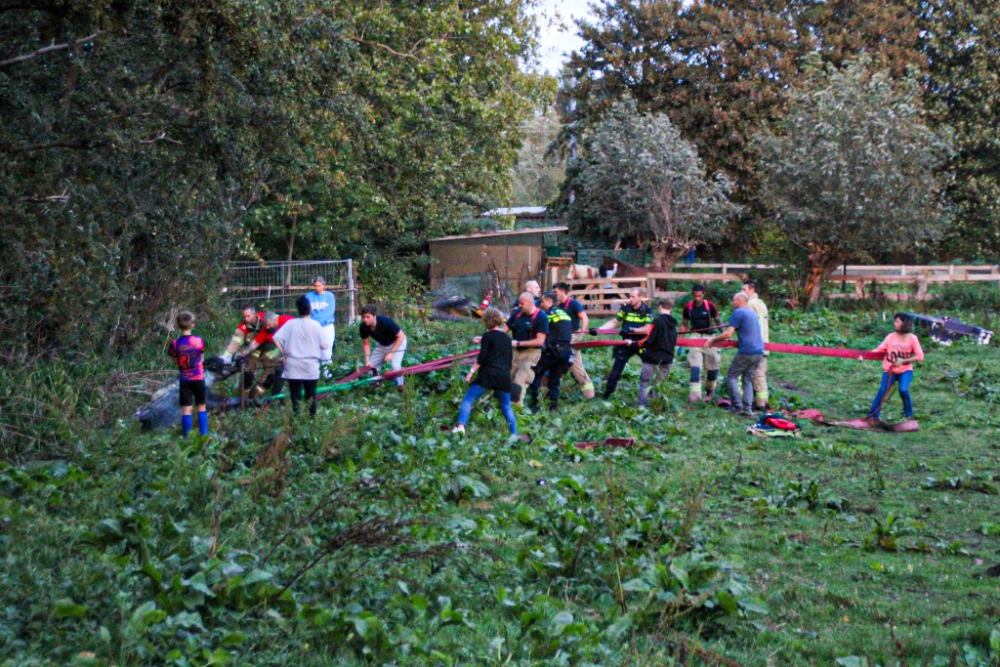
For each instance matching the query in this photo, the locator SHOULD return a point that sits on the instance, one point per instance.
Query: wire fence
(276, 285)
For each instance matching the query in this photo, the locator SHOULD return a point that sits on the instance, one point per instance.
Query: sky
(557, 31)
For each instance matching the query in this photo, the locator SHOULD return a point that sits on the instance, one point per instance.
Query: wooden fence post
(859, 288)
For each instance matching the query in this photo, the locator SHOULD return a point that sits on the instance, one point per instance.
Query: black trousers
(556, 367)
(295, 388)
(621, 356)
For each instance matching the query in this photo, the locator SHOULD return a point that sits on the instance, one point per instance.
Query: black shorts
(192, 393)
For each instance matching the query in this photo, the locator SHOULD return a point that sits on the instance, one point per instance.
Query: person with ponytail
(901, 349)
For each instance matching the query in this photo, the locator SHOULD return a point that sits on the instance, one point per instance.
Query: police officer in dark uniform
(557, 355)
(633, 315)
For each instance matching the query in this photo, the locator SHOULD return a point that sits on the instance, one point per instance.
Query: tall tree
(642, 179)
(442, 100)
(721, 69)
(539, 171)
(962, 45)
(143, 143)
(135, 137)
(854, 170)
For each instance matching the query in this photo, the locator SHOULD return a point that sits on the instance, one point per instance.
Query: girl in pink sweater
(901, 349)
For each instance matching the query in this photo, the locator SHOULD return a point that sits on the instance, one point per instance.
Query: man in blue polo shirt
(743, 323)
(324, 308)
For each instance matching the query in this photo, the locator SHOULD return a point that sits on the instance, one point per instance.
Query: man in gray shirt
(745, 324)
(301, 342)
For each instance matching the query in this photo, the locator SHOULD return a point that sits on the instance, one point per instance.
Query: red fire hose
(811, 350)
(467, 358)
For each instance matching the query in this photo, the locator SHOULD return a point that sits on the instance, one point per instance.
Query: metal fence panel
(276, 285)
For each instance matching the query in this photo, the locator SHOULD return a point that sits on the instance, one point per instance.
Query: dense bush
(956, 297)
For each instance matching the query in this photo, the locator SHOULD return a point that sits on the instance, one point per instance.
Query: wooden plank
(697, 277)
(279, 288)
(597, 291)
(613, 281)
(706, 265)
(889, 297)
(957, 278)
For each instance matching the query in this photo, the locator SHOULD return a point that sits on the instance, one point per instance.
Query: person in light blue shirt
(750, 353)
(324, 308)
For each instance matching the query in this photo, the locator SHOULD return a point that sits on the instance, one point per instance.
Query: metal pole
(350, 291)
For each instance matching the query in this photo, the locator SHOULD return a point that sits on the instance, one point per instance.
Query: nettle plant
(641, 550)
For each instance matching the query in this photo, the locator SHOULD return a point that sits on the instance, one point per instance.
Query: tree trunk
(664, 255)
(820, 266)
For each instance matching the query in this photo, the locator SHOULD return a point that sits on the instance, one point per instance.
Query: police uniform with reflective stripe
(557, 356)
(577, 370)
(630, 319)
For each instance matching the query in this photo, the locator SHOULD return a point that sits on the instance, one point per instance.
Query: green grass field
(372, 536)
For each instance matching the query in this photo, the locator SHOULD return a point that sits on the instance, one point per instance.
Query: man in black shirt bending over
(389, 338)
(581, 322)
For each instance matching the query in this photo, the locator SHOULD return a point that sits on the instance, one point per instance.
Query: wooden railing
(600, 300)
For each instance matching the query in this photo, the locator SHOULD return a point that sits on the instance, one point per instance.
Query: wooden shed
(516, 255)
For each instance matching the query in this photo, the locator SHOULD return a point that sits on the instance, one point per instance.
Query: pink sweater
(900, 346)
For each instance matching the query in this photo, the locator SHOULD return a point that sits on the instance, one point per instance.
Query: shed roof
(517, 212)
(503, 232)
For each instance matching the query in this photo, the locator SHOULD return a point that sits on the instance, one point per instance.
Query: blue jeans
(904, 379)
(477, 391)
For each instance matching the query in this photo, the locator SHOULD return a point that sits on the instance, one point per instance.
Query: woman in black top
(493, 363)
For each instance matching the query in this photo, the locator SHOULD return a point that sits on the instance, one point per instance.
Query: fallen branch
(708, 656)
(160, 136)
(75, 145)
(63, 197)
(47, 49)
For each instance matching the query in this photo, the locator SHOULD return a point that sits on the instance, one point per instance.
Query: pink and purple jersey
(189, 351)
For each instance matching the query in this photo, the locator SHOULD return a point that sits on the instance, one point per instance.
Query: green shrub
(954, 297)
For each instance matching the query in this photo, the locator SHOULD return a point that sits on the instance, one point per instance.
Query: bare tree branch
(410, 54)
(75, 145)
(62, 197)
(46, 49)
(24, 7)
(160, 136)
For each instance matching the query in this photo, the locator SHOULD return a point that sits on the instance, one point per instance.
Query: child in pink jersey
(189, 351)
(901, 349)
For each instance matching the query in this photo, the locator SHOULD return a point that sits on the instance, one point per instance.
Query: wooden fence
(600, 300)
